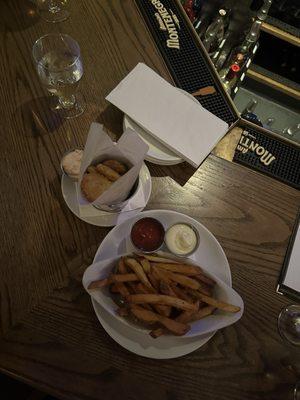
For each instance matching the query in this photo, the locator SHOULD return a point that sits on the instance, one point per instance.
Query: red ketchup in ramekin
(147, 234)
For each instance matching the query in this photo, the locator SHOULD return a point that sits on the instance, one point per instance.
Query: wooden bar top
(50, 336)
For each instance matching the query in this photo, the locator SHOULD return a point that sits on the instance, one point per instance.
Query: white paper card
(292, 277)
(168, 114)
(99, 147)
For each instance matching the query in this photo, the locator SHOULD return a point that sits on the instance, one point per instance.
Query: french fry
(123, 278)
(121, 266)
(122, 289)
(138, 269)
(149, 316)
(184, 318)
(166, 288)
(111, 279)
(146, 265)
(131, 286)
(183, 269)
(187, 316)
(205, 289)
(123, 311)
(218, 304)
(159, 259)
(161, 299)
(155, 333)
(160, 276)
(113, 288)
(139, 288)
(99, 284)
(161, 309)
(182, 294)
(154, 281)
(203, 312)
(182, 279)
(205, 279)
(164, 282)
(177, 291)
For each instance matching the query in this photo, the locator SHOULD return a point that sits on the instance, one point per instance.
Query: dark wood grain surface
(50, 336)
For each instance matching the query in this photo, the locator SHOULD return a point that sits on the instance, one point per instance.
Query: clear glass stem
(67, 102)
(297, 391)
(54, 7)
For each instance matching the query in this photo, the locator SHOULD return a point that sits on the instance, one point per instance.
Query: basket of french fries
(161, 294)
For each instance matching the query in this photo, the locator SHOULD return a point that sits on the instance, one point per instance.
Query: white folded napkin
(292, 277)
(168, 114)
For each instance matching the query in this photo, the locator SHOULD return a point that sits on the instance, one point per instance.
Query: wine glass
(53, 10)
(297, 391)
(59, 66)
(289, 324)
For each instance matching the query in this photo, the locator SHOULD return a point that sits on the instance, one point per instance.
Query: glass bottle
(248, 113)
(263, 11)
(244, 49)
(202, 20)
(250, 107)
(230, 78)
(253, 34)
(215, 32)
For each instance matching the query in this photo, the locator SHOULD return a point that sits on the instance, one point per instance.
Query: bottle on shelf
(262, 13)
(220, 55)
(242, 53)
(248, 113)
(250, 107)
(189, 9)
(237, 59)
(221, 58)
(202, 20)
(269, 122)
(292, 130)
(197, 6)
(216, 30)
(230, 79)
(253, 34)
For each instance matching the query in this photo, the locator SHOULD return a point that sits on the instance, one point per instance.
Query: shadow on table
(38, 118)
(180, 173)
(17, 15)
(112, 120)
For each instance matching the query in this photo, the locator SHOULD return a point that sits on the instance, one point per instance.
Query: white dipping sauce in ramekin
(181, 239)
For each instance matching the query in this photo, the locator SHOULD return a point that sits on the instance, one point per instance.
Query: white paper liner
(99, 147)
(137, 201)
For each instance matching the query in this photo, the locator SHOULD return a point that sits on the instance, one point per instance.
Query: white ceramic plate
(218, 320)
(137, 342)
(157, 153)
(209, 253)
(104, 218)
